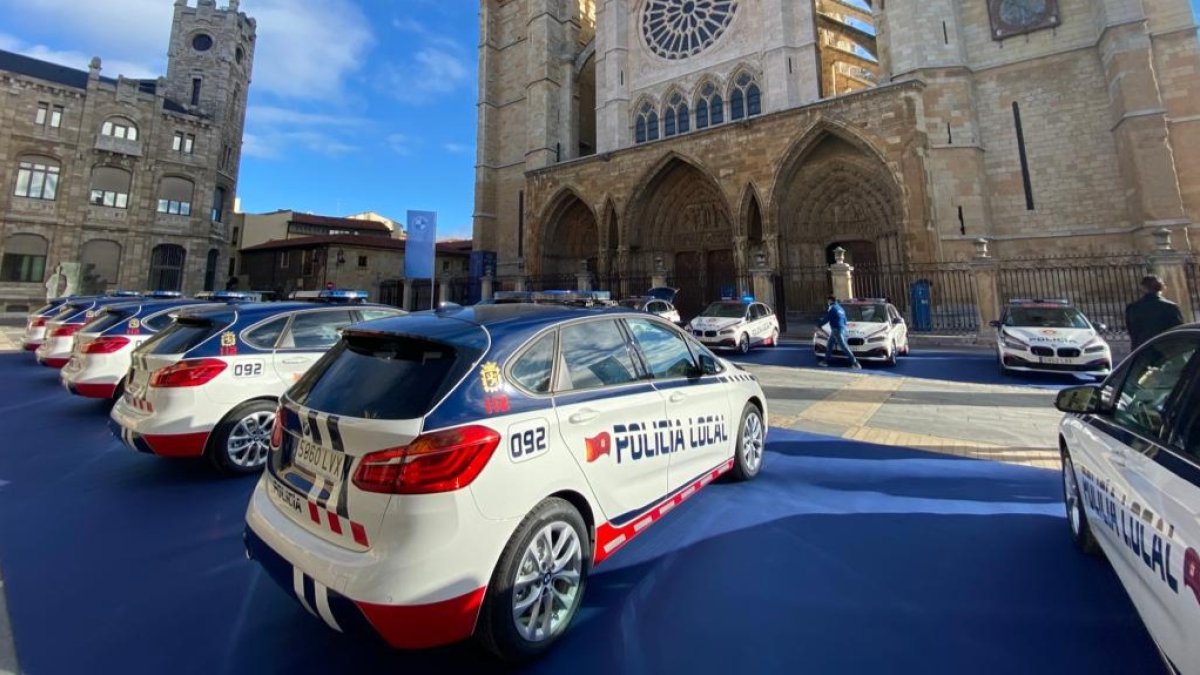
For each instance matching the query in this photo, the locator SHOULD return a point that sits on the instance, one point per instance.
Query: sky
(354, 105)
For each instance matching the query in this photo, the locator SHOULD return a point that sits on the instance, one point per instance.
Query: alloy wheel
(547, 587)
(250, 440)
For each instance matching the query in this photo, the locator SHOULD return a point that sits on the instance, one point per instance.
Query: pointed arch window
(745, 98)
(710, 108)
(677, 118)
(646, 127)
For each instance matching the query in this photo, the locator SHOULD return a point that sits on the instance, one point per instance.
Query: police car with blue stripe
(459, 472)
(103, 347)
(1131, 481)
(55, 349)
(35, 323)
(208, 385)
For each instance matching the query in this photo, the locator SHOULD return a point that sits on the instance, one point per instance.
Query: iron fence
(800, 294)
(934, 298)
(1191, 271)
(1099, 287)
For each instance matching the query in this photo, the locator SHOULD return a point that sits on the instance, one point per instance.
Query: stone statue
(70, 272)
(56, 282)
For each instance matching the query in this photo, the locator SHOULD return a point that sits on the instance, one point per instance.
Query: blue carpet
(841, 557)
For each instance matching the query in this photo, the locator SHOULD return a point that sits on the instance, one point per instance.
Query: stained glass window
(677, 29)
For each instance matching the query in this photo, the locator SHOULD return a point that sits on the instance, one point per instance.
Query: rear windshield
(389, 378)
(185, 334)
(70, 309)
(45, 309)
(107, 319)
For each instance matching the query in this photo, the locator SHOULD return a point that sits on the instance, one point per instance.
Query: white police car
(1131, 481)
(875, 331)
(103, 347)
(736, 324)
(1050, 336)
(35, 324)
(55, 349)
(208, 385)
(459, 472)
(657, 301)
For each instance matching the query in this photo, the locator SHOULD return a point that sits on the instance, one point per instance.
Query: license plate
(319, 460)
(1055, 360)
(285, 496)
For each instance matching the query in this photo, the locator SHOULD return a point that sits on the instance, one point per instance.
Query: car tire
(1081, 531)
(240, 442)
(743, 344)
(119, 391)
(500, 629)
(751, 442)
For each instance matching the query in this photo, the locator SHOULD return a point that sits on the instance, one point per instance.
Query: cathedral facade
(111, 182)
(707, 137)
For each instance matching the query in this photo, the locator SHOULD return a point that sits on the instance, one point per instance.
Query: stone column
(988, 303)
(659, 278)
(1169, 265)
(406, 301)
(842, 274)
(443, 289)
(583, 278)
(764, 280)
(485, 284)
(521, 283)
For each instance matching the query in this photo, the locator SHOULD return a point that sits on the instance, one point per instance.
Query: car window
(266, 335)
(315, 330)
(664, 350)
(596, 355)
(182, 336)
(372, 314)
(532, 368)
(1141, 401)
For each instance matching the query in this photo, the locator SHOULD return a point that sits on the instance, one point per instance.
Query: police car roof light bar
(1039, 301)
(163, 295)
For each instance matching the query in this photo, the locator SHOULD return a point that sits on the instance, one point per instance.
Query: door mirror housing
(995, 324)
(1101, 327)
(708, 365)
(1083, 400)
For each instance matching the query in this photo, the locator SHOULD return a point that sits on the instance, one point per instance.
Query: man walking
(1150, 315)
(835, 316)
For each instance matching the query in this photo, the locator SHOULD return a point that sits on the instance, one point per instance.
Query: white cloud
(272, 131)
(77, 60)
(273, 115)
(456, 148)
(400, 144)
(304, 50)
(439, 66)
(274, 143)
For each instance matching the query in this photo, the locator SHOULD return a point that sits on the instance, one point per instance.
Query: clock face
(677, 29)
(1014, 17)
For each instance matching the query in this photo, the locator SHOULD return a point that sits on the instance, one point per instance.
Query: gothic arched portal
(681, 218)
(571, 236)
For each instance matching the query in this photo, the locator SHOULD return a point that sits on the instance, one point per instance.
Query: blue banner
(419, 251)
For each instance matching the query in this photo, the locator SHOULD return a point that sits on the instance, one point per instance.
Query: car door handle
(678, 397)
(583, 416)
(296, 362)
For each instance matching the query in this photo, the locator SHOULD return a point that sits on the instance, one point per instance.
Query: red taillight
(188, 373)
(105, 345)
(39, 322)
(277, 432)
(66, 330)
(439, 462)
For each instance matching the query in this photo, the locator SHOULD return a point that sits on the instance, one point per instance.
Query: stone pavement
(1016, 425)
(10, 338)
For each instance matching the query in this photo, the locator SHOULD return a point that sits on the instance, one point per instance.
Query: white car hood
(714, 322)
(861, 329)
(1052, 337)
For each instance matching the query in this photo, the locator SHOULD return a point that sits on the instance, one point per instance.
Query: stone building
(707, 137)
(252, 229)
(121, 182)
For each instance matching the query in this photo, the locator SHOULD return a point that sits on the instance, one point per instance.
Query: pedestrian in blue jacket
(835, 316)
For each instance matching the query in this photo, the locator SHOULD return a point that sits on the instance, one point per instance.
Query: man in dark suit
(1152, 314)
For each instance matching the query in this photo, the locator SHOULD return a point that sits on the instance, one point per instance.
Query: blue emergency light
(163, 295)
(228, 295)
(343, 295)
(124, 294)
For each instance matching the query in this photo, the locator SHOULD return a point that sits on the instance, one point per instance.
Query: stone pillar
(406, 297)
(583, 278)
(443, 289)
(842, 274)
(659, 278)
(485, 285)
(1169, 265)
(764, 280)
(521, 283)
(988, 302)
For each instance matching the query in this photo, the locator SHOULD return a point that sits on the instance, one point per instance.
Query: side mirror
(1102, 327)
(995, 324)
(1083, 400)
(708, 365)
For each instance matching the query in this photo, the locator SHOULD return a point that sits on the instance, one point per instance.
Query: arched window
(101, 260)
(210, 269)
(166, 267)
(24, 259)
(175, 196)
(110, 187)
(676, 118)
(37, 178)
(119, 127)
(646, 126)
(745, 98)
(710, 108)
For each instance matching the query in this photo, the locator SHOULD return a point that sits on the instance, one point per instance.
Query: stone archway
(570, 236)
(681, 217)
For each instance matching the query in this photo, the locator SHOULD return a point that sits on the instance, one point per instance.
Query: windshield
(866, 313)
(1046, 317)
(725, 310)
